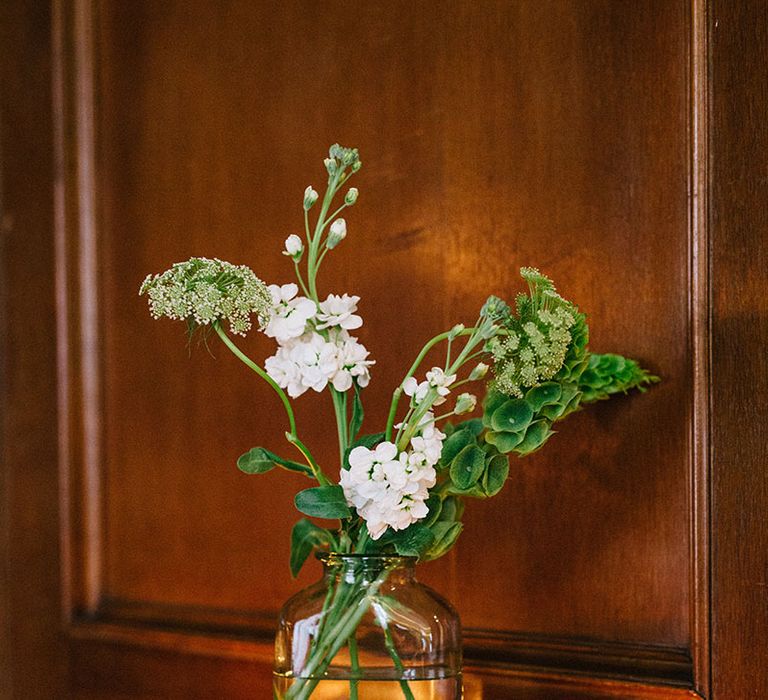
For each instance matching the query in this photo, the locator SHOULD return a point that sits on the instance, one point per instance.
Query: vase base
(434, 689)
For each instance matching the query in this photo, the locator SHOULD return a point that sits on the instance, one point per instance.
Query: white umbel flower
(289, 313)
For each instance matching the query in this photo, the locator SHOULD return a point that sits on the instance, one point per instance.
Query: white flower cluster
(390, 489)
(202, 291)
(306, 359)
(436, 379)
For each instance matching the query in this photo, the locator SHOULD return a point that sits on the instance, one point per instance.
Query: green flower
(537, 341)
(201, 291)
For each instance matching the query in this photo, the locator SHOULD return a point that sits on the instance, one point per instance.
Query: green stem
(301, 279)
(397, 661)
(355, 664)
(313, 465)
(340, 409)
(336, 636)
(252, 365)
(419, 359)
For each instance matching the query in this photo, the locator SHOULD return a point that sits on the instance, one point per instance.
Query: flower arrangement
(402, 490)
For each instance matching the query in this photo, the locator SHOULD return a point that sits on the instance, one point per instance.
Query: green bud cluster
(535, 343)
(340, 158)
(201, 291)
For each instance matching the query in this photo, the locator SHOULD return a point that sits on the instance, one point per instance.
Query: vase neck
(359, 568)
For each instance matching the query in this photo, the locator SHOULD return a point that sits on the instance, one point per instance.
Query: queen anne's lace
(202, 291)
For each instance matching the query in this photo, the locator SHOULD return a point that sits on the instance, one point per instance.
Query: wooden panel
(32, 662)
(533, 134)
(529, 142)
(739, 223)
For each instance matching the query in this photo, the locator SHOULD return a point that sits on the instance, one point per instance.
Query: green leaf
(536, 435)
(467, 467)
(474, 425)
(305, 537)
(357, 414)
(512, 416)
(455, 444)
(496, 473)
(255, 461)
(446, 535)
(543, 395)
(493, 400)
(505, 442)
(259, 461)
(323, 502)
(435, 505)
(414, 540)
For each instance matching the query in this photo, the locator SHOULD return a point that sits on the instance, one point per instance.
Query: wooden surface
(523, 146)
(739, 225)
(572, 136)
(32, 659)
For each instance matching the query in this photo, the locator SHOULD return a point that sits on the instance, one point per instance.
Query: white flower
(289, 313)
(339, 311)
(436, 379)
(478, 372)
(388, 489)
(412, 388)
(337, 233)
(351, 362)
(312, 362)
(294, 246)
(306, 363)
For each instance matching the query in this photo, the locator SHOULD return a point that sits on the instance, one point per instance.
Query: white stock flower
(293, 246)
(436, 379)
(289, 313)
(312, 362)
(339, 311)
(465, 404)
(390, 489)
(351, 363)
(305, 363)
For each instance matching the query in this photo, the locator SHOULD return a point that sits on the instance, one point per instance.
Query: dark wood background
(617, 146)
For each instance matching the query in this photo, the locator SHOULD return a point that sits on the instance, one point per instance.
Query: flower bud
(337, 233)
(294, 247)
(478, 372)
(330, 165)
(356, 166)
(351, 196)
(465, 404)
(310, 197)
(455, 331)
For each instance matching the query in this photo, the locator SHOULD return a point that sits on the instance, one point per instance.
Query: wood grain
(32, 654)
(739, 230)
(528, 143)
(588, 138)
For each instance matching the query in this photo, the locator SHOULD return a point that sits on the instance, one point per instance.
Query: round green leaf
(512, 416)
(467, 467)
(543, 395)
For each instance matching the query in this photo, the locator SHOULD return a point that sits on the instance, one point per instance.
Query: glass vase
(368, 630)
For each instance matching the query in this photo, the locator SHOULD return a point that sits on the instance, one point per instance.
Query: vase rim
(326, 557)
